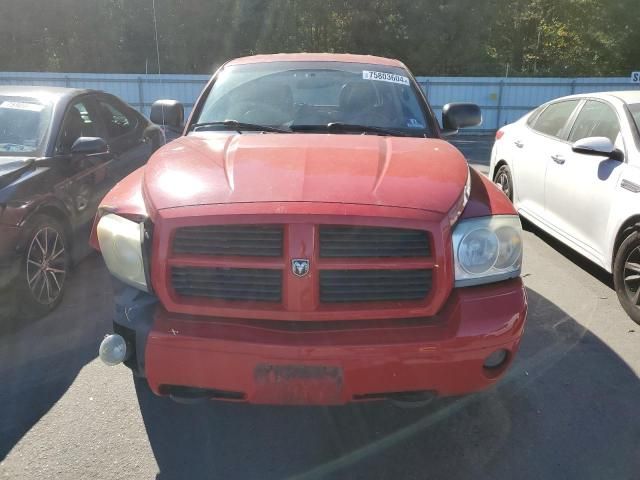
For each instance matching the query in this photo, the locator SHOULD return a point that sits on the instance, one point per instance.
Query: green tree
(559, 37)
(433, 37)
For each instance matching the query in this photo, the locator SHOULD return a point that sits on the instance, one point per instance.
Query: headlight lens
(121, 246)
(487, 249)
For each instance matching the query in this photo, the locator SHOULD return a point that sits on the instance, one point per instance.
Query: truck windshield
(308, 96)
(23, 125)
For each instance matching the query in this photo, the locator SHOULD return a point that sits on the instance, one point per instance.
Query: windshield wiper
(351, 128)
(239, 126)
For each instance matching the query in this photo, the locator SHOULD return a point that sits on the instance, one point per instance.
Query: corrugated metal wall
(502, 100)
(139, 91)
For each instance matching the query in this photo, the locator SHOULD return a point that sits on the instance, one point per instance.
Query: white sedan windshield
(635, 113)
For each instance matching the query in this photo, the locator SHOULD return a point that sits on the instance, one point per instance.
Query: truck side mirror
(168, 113)
(460, 115)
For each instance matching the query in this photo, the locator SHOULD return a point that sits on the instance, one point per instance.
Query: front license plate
(298, 384)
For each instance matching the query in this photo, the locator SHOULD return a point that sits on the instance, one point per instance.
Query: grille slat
(374, 285)
(230, 240)
(378, 288)
(248, 284)
(246, 230)
(222, 243)
(223, 289)
(228, 273)
(379, 284)
(337, 241)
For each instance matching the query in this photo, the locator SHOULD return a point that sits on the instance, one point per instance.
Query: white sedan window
(596, 119)
(554, 118)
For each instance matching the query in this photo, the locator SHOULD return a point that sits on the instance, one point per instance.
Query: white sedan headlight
(121, 243)
(487, 249)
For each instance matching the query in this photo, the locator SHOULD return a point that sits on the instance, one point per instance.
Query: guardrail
(502, 100)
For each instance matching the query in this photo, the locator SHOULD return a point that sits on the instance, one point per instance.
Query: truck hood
(219, 168)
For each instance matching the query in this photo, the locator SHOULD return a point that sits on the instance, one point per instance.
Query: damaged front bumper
(324, 363)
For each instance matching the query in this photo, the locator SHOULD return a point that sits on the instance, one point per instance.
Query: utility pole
(535, 60)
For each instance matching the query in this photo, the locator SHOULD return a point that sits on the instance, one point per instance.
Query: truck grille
(248, 284)
(355, 271)
(374, 285)
(347, 241)
(230, 240)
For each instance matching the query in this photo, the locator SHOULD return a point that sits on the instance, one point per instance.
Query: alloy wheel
(631, 275)
(46, 266)
(502, 180)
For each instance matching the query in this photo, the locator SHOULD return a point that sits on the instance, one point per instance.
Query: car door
(579, 187)
(86, 178)
(126, 135)
(532, 147)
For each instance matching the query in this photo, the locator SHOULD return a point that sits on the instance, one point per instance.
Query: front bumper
(277, 362)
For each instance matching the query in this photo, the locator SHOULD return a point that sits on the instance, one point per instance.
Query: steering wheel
(261, 113)
(371, 117)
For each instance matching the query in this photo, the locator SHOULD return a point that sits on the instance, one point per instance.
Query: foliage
(434, 37)
(566, 37)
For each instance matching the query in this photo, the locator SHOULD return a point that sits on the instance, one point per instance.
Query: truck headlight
(121, 243)
(487, 249)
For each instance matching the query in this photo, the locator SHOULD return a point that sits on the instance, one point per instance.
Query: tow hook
(113, 350)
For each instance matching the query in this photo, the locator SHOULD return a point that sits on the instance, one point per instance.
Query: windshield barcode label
(384, 77)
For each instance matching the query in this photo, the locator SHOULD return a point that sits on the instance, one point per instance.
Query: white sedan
(572, 168)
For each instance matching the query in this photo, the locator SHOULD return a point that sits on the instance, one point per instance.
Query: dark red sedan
(61, 151)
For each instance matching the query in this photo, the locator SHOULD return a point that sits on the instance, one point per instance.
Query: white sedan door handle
(559, 159)
(518, 144)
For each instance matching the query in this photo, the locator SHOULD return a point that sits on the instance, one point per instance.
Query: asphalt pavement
(566, 410)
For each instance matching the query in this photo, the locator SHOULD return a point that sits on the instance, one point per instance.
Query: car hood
(11, 168)
(9, 164)
(220, 168)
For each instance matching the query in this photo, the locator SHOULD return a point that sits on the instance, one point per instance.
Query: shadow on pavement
(39, 360)
(564, 410)
(584, 263)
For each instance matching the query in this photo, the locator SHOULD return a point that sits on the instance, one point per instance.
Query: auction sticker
(32, 107)
(385, 77)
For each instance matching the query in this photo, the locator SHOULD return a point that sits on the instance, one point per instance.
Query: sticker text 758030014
(385, 77)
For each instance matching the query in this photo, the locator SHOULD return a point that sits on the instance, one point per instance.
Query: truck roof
(317, 57)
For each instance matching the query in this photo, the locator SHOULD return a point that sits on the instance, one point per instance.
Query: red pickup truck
(312, 239)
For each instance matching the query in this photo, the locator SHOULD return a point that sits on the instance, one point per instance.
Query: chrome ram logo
(300, 267)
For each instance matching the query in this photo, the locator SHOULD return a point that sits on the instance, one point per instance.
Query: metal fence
(502, 100)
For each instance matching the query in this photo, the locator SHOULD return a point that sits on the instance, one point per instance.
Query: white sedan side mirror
(595, 146)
